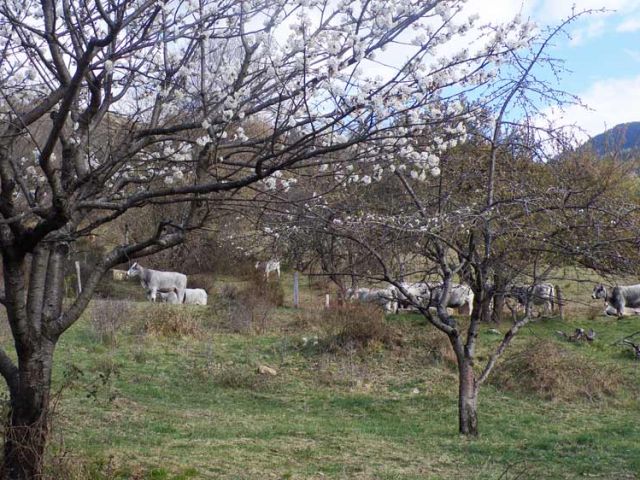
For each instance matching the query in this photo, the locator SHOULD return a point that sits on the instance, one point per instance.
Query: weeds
(354, 327)
(163, 320)
(554, 372)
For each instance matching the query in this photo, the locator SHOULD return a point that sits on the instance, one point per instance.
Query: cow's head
(599, 291)
(134, 270)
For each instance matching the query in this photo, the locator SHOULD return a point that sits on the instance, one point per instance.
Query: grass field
(174, 393)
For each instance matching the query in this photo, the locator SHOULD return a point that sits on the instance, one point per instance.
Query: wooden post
(326, 301)
(560, 301)
(78, 277)
(296, 289)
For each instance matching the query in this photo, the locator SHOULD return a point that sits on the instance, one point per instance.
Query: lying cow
(192, 296)
(195, 296)
(619, 298)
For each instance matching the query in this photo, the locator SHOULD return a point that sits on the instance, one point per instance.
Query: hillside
(623, 139)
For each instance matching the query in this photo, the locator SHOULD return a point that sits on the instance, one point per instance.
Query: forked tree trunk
(467, 400)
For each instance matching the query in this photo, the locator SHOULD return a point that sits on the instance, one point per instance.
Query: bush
(269, 289)
(553, 372)
(356, 327)
(107, 316)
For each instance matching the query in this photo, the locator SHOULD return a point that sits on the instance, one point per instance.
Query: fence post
(78, 277)
(326, 301)
(296, 289)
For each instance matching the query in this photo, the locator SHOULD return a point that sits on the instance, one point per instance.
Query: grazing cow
(384, 297)
(542, 294)
(460, 296)
(269, 266)
(618, 297)
(195, 296)
(154, 280)
(118, 275)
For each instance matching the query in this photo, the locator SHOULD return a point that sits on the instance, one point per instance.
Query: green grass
(171, 407)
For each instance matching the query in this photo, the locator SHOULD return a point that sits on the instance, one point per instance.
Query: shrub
(269, 289)
(553, 372)
(107, 316)
(356, 327)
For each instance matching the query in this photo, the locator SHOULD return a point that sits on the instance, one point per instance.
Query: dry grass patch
(356, 327)
(554, 372)
(163, 320)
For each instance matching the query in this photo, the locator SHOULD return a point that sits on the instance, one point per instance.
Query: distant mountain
(623, 139)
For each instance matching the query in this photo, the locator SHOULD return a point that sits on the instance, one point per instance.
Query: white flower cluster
(277, 181)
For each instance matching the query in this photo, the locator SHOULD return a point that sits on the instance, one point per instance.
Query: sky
(602, 54)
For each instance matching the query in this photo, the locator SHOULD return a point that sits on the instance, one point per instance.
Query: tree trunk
(32, 312)
(498, 308)
(467, 399)
(26, 434)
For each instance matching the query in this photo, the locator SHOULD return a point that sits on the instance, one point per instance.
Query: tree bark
(31, 311)
(467, 399)
(26, 435)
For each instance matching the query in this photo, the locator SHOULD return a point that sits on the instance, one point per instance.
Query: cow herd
(407, 296)
(619, 300)
(411, 296)
(171, 287)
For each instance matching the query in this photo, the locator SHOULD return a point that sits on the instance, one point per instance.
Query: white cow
(418, 291)
(384, 297)
(460, 296)
(542, 294)
(154, 281)
(195, 296)
(269, 266)
(619, 298)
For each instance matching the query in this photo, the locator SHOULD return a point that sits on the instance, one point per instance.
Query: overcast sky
(603, 55)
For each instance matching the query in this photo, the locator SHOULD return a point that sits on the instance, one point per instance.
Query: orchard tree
(503, 200)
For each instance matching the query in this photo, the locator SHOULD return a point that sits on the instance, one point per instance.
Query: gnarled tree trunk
(32, 317)
(26, 434)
